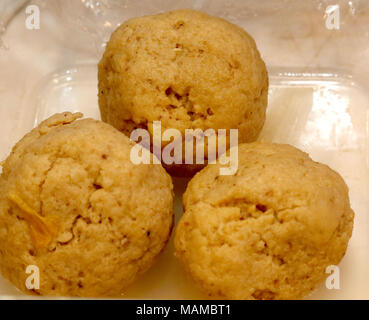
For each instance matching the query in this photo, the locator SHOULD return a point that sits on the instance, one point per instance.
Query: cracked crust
(73, 204)
(269, 231)
(186, 69)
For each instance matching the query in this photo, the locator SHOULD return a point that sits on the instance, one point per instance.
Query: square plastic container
(318, 99)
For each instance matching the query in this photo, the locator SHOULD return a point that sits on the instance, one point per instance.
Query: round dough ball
(186, 69)
(267, 232)
(74, 205)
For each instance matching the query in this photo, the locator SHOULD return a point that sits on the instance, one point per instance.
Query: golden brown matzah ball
(74, 205)
(267, 232)
(186, 69)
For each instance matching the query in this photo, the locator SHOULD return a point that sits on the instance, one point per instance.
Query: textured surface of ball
(186, 69)
(74, 205)
(269, 231)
